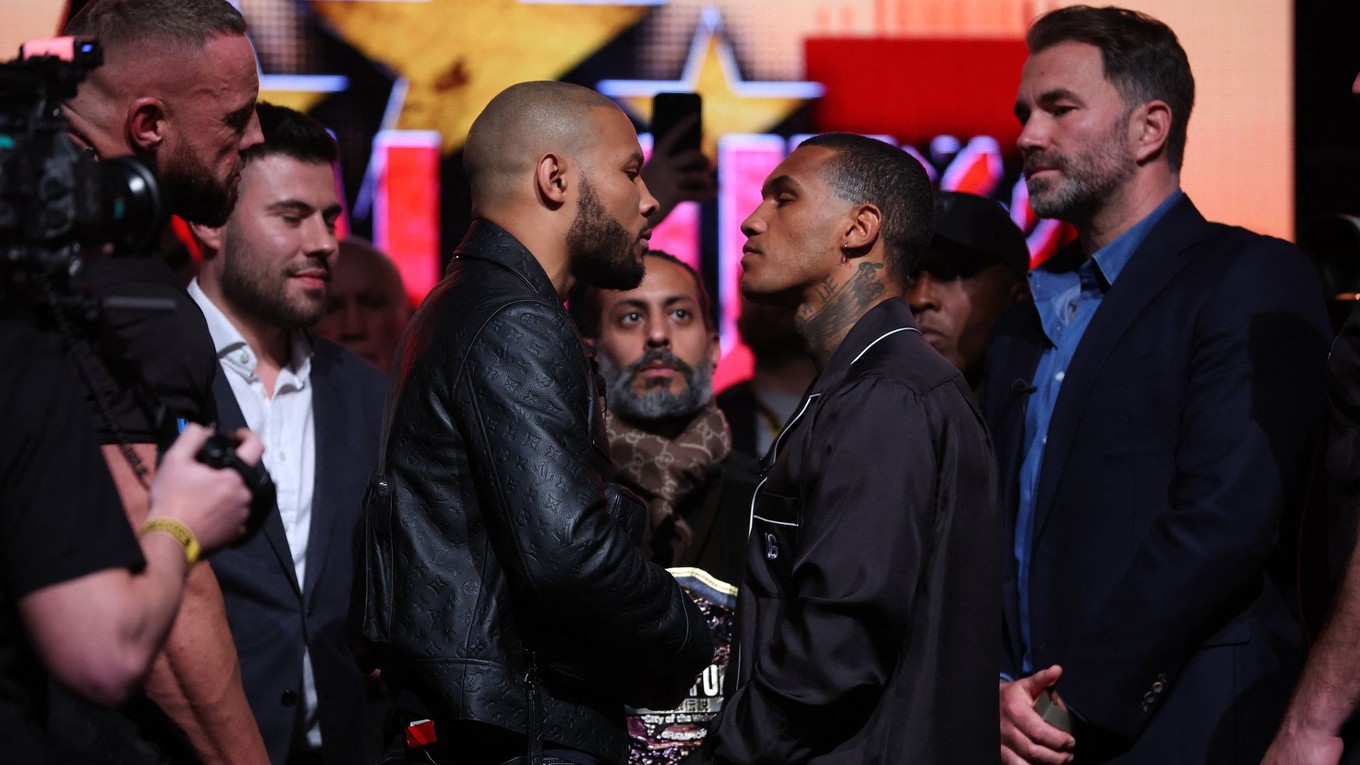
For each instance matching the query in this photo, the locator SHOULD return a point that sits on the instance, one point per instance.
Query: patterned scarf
(665, 471)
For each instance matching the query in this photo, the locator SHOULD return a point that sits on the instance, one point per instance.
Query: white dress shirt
(284, 422)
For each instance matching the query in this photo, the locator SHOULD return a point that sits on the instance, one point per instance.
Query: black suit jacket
(738, 405)
(1177, 445)
(272, 616)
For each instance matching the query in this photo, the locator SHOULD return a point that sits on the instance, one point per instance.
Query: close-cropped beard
(602, 250)
(660, 404)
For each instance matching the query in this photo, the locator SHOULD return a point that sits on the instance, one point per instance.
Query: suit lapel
(1161, 256)
(1017, 355)
(326, 422)
(1020, 357)
(230, 413)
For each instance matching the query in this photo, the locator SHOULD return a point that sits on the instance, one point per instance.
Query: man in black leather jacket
(504, 586)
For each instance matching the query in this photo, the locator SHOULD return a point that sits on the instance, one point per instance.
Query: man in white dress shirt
(317, 407)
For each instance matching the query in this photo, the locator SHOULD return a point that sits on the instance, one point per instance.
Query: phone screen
(671, 109)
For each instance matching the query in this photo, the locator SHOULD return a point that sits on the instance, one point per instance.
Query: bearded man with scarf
(656, 347)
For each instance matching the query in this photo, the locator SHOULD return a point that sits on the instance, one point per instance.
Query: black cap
(981, 226)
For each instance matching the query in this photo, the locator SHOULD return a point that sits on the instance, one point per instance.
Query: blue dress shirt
(1066, 301)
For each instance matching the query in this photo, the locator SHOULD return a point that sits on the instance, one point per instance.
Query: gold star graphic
(731, 105)
(456, 55)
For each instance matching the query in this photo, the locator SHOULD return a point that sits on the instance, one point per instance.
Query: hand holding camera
(218, 506)
(220, 452)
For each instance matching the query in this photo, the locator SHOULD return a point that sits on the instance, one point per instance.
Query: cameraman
(77, 590)
(177, 90)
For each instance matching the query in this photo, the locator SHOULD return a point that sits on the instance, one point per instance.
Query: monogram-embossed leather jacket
(498, 561)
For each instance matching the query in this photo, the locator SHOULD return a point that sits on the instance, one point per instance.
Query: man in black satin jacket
(504, 588)
(871, 597)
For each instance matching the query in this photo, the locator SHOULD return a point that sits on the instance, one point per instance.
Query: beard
(601, 249)
(192, 191)
(1087, 178)
(660, 404)
(257, 290)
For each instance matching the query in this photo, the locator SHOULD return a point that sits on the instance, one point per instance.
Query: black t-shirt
(60, 516)
(172, 350)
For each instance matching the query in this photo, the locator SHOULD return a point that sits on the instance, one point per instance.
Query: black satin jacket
(871, 599)
(503, 583)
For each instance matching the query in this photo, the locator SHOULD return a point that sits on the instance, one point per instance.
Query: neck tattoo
(842, 305)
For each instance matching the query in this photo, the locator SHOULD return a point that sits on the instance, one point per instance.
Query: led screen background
(399, 80)
(1240, 154)
(1239, 165)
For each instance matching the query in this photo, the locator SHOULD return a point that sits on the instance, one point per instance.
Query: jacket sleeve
(1251, 403)
(865, 531)
(545, 504)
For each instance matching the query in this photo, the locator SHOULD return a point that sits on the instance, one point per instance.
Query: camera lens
(130, 202)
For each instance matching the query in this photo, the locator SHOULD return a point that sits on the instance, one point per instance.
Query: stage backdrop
(399, 81)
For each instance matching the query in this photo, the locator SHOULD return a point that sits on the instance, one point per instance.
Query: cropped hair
(519, 125)
(177, 24)
(291, 134)
(1141, 56)
(584, 305)
(868, 171)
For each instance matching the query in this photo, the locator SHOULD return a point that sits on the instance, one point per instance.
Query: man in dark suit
(318, 408)
(1152, 411)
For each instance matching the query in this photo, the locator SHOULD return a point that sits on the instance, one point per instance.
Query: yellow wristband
(180, 532)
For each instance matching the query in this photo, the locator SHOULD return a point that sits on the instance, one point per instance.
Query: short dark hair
(180, 24)
(585, 307)
(291, 134)
(1141, 56)
(868, 171)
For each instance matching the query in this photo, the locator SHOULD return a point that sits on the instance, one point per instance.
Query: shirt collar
(1051, 279)
(1113, 257)
(232, 348)
(888, 317)
(489, 241)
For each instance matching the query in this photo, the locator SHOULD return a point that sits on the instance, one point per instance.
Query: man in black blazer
(1153, 410)
(318, 408)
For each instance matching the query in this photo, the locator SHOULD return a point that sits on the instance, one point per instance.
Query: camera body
(220, 452)
(58, 204)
